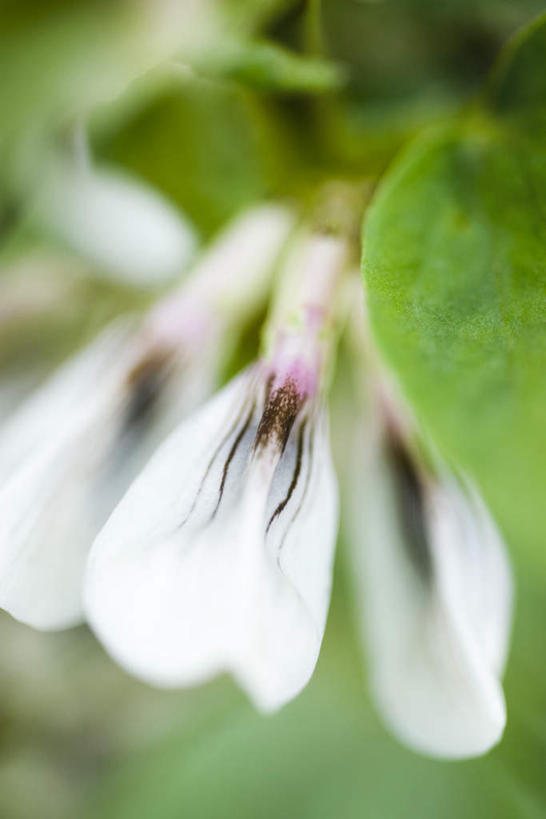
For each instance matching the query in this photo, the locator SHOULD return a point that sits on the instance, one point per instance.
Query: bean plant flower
(432, 582)
(219, 557)
(198, 538)
(69, 452)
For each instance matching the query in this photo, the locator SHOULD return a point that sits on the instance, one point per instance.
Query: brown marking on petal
(303, 498)
(268, 387)
(293, 483)
(411, 505)
(281, 409)
(218, 449)
(231, 455)
(144, 383)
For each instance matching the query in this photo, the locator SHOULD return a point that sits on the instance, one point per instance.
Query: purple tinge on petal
(292, 382)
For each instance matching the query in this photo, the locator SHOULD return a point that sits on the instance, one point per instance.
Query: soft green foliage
(268, 67)
(242, 100)
(455, 264)
(200, 144)
(326, 755)
(517, 87)
(60, 60)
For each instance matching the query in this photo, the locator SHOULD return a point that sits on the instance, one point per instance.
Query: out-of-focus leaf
(202, 145)
(50, 304)
(517, 87)
(268, 67)
(320, 757)
(62, 59)
(19, 801)
(455, 263)
(401, 49)
(326, 754)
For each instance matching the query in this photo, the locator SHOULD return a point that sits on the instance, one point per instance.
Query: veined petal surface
(218, 560)
(435, 586)
(66, 457)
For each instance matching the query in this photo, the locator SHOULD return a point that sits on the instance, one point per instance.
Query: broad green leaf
(200, 145)
(455, 263)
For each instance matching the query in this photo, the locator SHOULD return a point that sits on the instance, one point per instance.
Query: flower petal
(437, 627)
(46, 525)
(49, 455)
(44, 411)
(123, 225)
(186, 579)
(303, 534)
(472, 567)
(66, 458)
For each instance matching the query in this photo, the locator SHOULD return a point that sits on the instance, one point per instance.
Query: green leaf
(324, 755)
(455, 263)
(201, 145)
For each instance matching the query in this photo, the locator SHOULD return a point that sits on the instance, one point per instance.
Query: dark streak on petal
(217, 451)
(293, 482)
(305, 488)
(410, 501)
(144, 383)
(231, 455)
(280, 412)
(267, 390)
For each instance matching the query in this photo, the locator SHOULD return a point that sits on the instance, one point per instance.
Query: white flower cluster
(196, 535)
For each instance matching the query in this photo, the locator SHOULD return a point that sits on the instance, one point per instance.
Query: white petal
(304, 535)
(66, 458)
(46, 525)
(234, 273)
(178, 599)
(13, 390)
(44, 411)
(50, 452)
(124, 226)
(292, 586)
(472, 567)
(437, 642)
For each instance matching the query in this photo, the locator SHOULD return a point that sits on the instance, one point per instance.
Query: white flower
(435, 586)
(71, 450)
(219, 557)
(57, 455)
(125, 227)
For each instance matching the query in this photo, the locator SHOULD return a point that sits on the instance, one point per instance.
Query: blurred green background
(217, 104)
